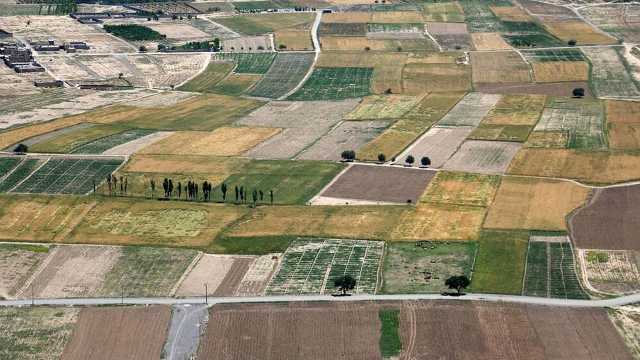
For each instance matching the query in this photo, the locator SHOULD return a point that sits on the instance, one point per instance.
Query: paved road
(623, 300)
(184, 331)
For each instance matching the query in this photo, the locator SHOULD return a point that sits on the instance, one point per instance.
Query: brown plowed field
(551, 89)
(380, 183)
(487, 331)
(233, 277)
(292, 331)
(134, 333)
(610, 221)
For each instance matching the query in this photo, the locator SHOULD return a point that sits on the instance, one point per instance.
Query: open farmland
(609, 75)
(303, 123)
(618, 20)
(470, 110)
(560, 71)
(335, 84)
(580, 31)
(499, 67)
(608, 221)
(479, 17)
(236, 84)
(206, 81)
(119, 333)
(439, 143)
(418, 78)
(424, 266)
(248, 63)
(66, 139)
(525, 203)
(17, 264)
(610, 271)
(310, 266)
(443, 12)
(285, 73)
(461, 189)
(597, 167)
(264, 23)
(623, 124)
(583, 120)
(511, 119)
(489, 41)
(500, 263)
(490, 157)
(551, 89)
(247, 43)
(341, 29)
(35, 332)
(301, 330)
(379, 184)
(439, 222)
(383, 107)
(551, 271)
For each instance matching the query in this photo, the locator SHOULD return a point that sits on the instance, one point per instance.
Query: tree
(425, 161)
(142, 48)
(458, 283)
(153, 187)
(223, 189)
(254, 196)
(578, 92)
(345, 283)
(21, 148)
(571, 42)
(410, 160)
(282, 46)
(348, 155)
(382, 158)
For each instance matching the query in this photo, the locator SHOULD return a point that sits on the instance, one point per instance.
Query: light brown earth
(499, 67)
(210, 270)
(489, 41)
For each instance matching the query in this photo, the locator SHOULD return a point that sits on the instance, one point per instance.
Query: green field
(207, 80)
(390, 342)
(499, 266)
(531, 40)
(7, 164)
(292, 182)
(551, 271)
(133, 32)
(251, 245)
(101, 145)
(335, 84)
(310, 266)
(249, 63)
(66, 142)
(146, 271)
(479, 17)
(26, 167)
(285, 74)
(413, 269)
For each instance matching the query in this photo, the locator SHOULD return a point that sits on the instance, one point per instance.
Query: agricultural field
(500, 263)
(618, 20)
(303, 123)
(554, 55)
(479, 17)
(579, 31)
(293, 40)
(609, 74)
(625, 319)
(443, 12)
(439, 143)
(17, 264)
(422, 267)
(527, 203)
(418, 78)
(439, 222)
(470, 110)
(527, 34)
(561, 89)
(581, 119)
(499, 67)
(285, 73)
(206, 81)
(597, 225)
(35, 332)
(511, 119)
(551, 271)
(510, 13)
(489, 41)
(610, 271)
(236, 84)
(248, 63)
(119, 333)
(622, 124)
(310, 266)
(378, 107)
(461, 189)
(264, 23)
(335, 84)
(486, 157)
(544, 72)
(247, 44)
(343, 29)
(379, 184)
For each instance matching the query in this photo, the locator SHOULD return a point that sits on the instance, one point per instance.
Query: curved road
(619, 301)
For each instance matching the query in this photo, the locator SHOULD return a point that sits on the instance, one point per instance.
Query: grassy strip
(390, 342)
(255, 245)
(499, 266)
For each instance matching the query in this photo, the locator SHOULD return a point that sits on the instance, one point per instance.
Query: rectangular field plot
(103, 144)
(310, 266)
(485, 157)
(582, 119)
(248, 63)
(551, 271)
(335, 84)
(609, 75)
(68, 176)
(284, 74)
(425, 265)
(19, 173)
(554, 55)
(499, 67)
(439, 144)
(611, 271)
(470, 110)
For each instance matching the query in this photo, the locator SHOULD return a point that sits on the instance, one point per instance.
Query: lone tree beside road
(348, 155)
(410, 160)
(345, 283)
(458, 283)
(425, 161)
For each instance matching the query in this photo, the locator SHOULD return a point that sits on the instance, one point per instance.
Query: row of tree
(346, 283)
(350, 155)
(195, 192)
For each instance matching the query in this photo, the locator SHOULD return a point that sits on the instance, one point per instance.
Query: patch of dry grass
(419, 78)
(456, 188)
(510, 13)
(557, 71)
(489, 41)
(516, 110)
(623, 124)
(579, 31)
(499, 67)
(439, 222)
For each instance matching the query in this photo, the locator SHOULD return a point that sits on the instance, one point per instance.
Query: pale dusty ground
(489, 41)
(15, 268)
(136, 145)
(75, 271)
(211, 269)
(256, 278)
(247, 43)
(163, 99)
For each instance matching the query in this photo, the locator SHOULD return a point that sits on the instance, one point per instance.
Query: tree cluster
(112, 184)
(203, 192)
(133, 32)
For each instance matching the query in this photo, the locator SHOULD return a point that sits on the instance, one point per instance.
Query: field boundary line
(364, 260)
(3, 177)
(30, 282)
(186, 273)
(30, 175)
(547, 250)
(202, 70)
(524, 274)
(316, 45)
(335, 178)
(315, 259)
(426, 32)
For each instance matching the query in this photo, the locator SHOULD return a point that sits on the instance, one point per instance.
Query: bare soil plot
(461, 189)
(151, 222)
(548, 10)
(439, 143)
(511, 331)
(210, 270)
(300, 330)
(380, 183)
(347, 17)
(343, 222)
(224, 141)
(17, 263)
(610, 271)
(304, 122)
(579, 31)
(608, 221)
(489, 41)
(623, 127)
(247, 44)
(35, 332)
(510, 13)
(627, 322)
(439, 222)
(74, 271)
(353, 43)
(609, 75)
(618, 20)
(383, 107)
(499, 67)
(178, 31)
(119, 333)
(400, 17)
(598, 167)
(255, 280)
(443, 28)
(420, 78)
(233, 277)
(444, 12)
(488, 157)
(470, 110)
(527, 203)
(551, 89)
(555, 71)
(256, 24)
(348, 135)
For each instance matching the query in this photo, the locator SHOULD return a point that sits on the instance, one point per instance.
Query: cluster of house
(51, 46)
